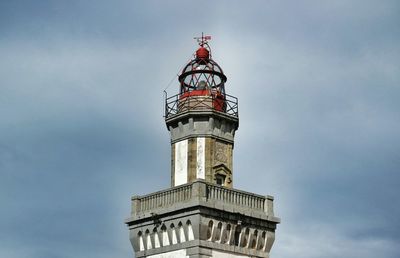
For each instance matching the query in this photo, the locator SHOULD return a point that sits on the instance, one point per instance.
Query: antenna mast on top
(203, 40)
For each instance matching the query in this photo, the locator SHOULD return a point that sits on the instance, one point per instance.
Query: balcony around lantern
(201, 101)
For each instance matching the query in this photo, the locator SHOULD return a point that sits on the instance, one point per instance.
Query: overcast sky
(81, 126)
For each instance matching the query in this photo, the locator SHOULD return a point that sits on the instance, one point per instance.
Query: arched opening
(210, 230)
(165, 238)
(218, 232)
(245, 238)
(261, 242)
(238, 231)
(174, 238)
(226, 234)
(190, 233)
(253, 242)
(141, 243)
(182, 236)
(149, 244)
(156, 238)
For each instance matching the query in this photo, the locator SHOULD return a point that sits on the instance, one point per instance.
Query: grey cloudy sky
(81, 126)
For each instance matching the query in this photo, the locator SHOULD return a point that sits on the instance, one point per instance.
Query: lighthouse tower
(201, 215)
(202, 120)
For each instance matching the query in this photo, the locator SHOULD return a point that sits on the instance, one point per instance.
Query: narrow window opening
(220, 179)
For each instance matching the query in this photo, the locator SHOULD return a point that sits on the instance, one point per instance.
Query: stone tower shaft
(202, 144)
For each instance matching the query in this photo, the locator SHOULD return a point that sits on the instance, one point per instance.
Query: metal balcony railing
(177, 104)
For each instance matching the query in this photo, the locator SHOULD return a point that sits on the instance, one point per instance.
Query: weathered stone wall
(201, 158)
(207, 137)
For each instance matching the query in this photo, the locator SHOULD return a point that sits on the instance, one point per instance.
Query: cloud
(82, 129)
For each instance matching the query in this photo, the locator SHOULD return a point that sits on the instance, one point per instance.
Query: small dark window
(220, 180)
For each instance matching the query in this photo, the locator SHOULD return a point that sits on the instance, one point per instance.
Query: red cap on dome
(202, 53)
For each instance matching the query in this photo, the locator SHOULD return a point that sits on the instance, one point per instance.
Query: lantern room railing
(179, 103)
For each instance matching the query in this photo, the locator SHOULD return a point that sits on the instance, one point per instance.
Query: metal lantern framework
(202, 73)
(202, 86)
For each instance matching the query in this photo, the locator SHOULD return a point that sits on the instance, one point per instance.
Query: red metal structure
(202, 85)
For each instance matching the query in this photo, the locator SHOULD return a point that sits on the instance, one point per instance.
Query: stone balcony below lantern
(202, 215)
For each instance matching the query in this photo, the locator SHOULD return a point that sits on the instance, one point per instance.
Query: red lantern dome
(202, 53)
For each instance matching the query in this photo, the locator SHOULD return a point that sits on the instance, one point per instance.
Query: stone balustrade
(203, 193)
(162, 199)
(252, 201)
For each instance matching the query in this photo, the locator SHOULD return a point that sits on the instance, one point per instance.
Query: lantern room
(202, 82)
(202, 85)
(202, 73)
